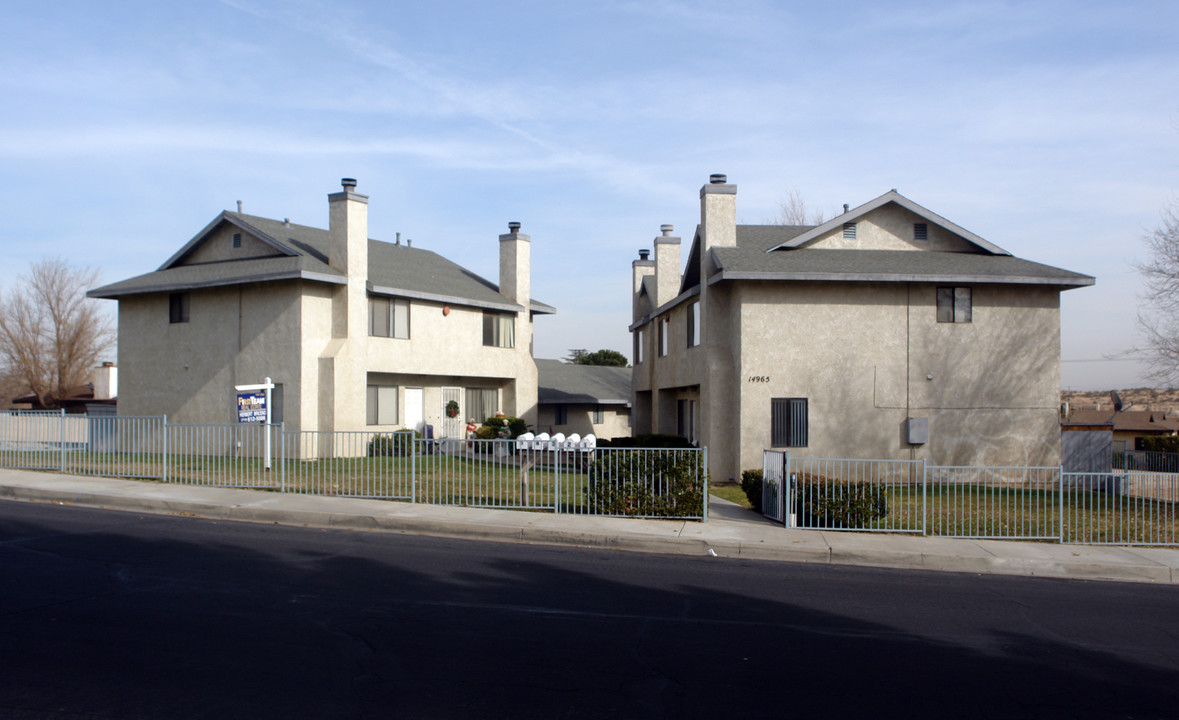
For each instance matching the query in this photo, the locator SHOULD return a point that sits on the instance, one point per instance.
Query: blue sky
(1049, 128)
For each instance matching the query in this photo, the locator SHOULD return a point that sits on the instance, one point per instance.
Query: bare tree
(51, 334)
(1159, 318)
(793, 211)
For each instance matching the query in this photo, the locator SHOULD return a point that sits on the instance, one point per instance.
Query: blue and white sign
(251, 407)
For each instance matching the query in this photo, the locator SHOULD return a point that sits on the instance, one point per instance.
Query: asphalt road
(116, 615)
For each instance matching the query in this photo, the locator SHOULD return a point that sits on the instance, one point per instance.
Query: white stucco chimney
(105, 380)
(348, 230)
(667, 266)
(718, 219)
(639, 269)
(515, 266)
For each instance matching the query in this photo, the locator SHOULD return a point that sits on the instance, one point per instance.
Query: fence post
(413, 468)
(704, 478)
(786, 492)
(165, 453)
(61, 439)
(1060, 518)
(924, 499)
(282, 456)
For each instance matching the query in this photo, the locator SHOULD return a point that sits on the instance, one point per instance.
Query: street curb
(842, 549)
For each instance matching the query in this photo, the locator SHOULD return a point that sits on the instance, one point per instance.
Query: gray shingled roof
(561, 382)
(392, 269)
(754, 263)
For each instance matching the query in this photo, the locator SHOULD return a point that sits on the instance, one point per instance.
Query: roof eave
(105, 293)
(1063, 283)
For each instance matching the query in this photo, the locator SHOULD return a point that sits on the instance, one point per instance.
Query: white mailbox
(571, 442)
(589, 443)
(524, 442)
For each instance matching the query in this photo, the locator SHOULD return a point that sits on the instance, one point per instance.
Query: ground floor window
(482, 403)
(560, 414)
(599, 415)
(382, 405)
(788, 422)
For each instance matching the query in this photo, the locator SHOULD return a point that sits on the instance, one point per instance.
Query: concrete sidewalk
(731, 532)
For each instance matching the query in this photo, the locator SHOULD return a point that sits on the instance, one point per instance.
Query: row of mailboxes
(557, 441)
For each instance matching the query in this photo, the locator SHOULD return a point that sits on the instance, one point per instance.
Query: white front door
(453, 427)
(414, 408)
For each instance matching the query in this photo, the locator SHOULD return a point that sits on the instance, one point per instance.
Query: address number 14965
(759, 378)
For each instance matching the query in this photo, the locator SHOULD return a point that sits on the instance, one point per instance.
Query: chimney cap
(348, 183)
(666, 229)
(718, 178)
(644, 254)
(514, 226)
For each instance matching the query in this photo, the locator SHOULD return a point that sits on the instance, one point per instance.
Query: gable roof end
(233, 219)
(892, 196)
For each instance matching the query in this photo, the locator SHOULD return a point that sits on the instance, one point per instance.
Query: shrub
(821, 502)
(751, 481)
(647, 441)
(625, 483)
(399, 443)
(516, 426)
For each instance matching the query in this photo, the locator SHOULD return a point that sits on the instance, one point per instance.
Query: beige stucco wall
(579, 419)
(891, 228)
(187, 371)
(218, 247)
(866, 356)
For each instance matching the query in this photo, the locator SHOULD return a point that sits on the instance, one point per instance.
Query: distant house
(1129, 427)
(886, 332)
(583, 399)
(99, 396)
(357, 334)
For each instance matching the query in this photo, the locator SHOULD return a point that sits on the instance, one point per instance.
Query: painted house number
(759, 378)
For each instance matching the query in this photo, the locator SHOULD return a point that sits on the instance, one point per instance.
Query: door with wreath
(453, 423)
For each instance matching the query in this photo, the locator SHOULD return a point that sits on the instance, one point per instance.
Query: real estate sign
(251, 407)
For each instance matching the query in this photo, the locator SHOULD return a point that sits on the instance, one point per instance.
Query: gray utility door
(453, 427)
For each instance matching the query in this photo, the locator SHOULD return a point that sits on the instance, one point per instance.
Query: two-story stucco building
(886, 332)
(356, 334)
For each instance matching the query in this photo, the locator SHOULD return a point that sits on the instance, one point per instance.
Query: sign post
(254, 406)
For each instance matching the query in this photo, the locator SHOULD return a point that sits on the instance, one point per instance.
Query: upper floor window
(694, 324)
(388, 317)
(499, 329)
(638, 346)
(237, 240)
(920, 232)
(178, 307)
(663, 323)
(954, 305)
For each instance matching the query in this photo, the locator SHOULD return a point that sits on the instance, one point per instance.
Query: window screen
(788, 422)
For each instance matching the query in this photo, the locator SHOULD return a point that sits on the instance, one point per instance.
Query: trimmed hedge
(621, 484)
(399, 443)
(820, 502)
(751, 482)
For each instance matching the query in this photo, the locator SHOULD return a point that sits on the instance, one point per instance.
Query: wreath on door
(452, 409)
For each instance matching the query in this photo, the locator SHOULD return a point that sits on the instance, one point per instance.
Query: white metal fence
(568, 478)
(1027, 503)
